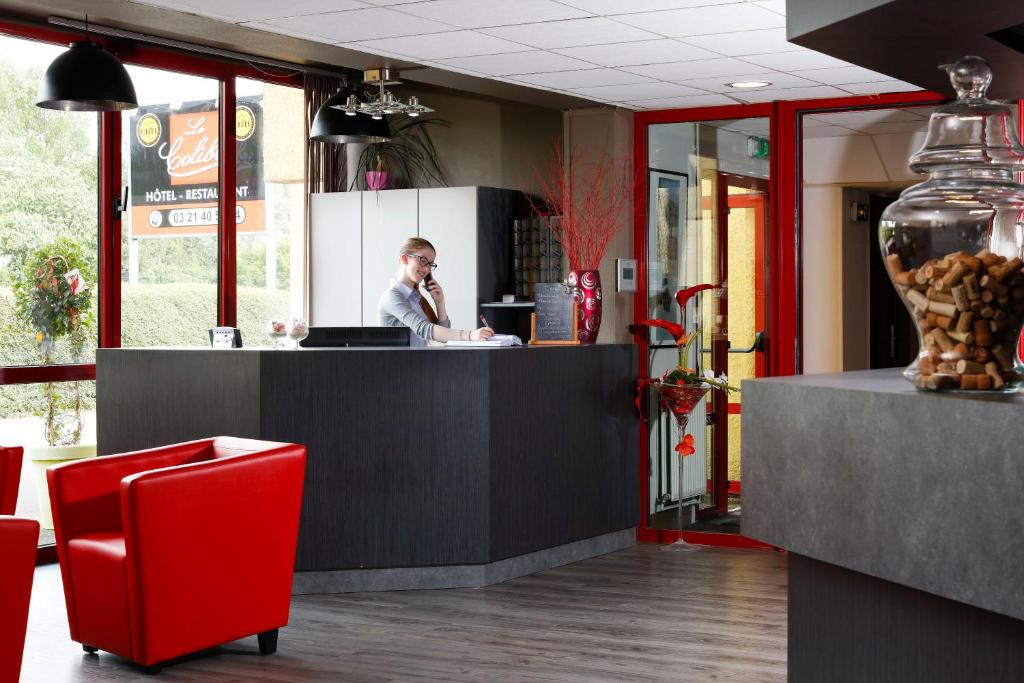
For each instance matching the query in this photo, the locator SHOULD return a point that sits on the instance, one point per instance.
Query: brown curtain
(325, 161)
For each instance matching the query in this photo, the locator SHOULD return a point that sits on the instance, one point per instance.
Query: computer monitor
(337, 337)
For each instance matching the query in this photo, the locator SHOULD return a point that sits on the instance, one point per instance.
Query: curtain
(325, 161)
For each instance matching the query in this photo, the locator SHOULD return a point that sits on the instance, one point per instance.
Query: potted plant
(407, 159)
(53, 298)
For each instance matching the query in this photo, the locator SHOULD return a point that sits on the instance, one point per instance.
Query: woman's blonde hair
(414, 244)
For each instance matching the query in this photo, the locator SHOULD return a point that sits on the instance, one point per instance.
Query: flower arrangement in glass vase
(681, 388)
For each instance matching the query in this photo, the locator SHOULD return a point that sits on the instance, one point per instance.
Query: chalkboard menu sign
(554, 317)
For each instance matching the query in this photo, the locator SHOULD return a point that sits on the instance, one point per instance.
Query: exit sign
(757, 148)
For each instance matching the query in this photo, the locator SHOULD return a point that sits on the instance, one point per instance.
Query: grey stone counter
(861, 471)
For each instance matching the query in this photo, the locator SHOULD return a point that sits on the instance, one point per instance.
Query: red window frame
(109, 186)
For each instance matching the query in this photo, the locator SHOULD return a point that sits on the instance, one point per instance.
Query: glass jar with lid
(954, 244)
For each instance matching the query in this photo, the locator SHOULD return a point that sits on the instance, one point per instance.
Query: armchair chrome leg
(89, 649)
(268, 642)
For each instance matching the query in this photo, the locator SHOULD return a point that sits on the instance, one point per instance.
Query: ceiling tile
(682, 102)
(808, 93)
(639, 91)
(256, 10)
(570, 33)
(828, 132)
(777, 6)
(745, 42)
(582, 79)
(477, 14)
(879, 87)
(702, 20)
(777, 79)
(606, 7)
(919, 126)
(443, 45)
(813, 121)
(535, 61)
(359, 25)
(792, 61)
(640, 52)
(287, 31)
(722, 68)
(843, 75)
(861, 119)
(389, 2)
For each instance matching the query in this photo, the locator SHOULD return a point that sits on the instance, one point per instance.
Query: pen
(484, 321)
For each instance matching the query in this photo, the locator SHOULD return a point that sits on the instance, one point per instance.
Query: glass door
(706, 223)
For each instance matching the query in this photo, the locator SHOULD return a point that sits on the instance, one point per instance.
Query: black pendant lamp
(87, 78)
(334, 125)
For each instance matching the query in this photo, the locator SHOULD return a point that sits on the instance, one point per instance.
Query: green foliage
(409, 157)
(47, 173)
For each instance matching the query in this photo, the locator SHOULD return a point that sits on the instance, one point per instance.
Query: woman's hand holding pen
(481, 334)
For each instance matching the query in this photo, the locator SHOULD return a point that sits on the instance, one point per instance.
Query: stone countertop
(860, 470)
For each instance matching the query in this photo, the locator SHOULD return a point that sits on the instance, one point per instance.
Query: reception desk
(902, 514)
(427, 467)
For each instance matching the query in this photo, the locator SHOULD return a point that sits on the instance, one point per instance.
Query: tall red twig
(588, 200)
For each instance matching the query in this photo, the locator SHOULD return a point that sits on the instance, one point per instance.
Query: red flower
(675, 330)
(684, 295)
(685, 446)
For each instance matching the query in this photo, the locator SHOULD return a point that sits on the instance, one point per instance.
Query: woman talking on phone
(401, 305)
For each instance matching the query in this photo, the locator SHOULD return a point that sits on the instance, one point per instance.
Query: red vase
(586, 292)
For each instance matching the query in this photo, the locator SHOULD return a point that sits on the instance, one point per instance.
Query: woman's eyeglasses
(424, 262)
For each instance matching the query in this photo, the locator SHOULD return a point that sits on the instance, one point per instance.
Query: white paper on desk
(495, 341)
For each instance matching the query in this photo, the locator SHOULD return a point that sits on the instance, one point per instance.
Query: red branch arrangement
(588, 200)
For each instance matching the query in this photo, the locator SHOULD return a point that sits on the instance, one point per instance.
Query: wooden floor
(643, 614)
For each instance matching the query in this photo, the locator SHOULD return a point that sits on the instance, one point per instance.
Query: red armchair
(10, 475)
(173, 550)
(18, 538)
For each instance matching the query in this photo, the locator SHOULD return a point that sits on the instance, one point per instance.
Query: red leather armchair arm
(216, 539)
(10, 476)
(84, 494)
(18, 538)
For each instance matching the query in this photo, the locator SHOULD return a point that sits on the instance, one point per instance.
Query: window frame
(109, 185)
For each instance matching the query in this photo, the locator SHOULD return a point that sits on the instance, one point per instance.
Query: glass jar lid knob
(970, 76)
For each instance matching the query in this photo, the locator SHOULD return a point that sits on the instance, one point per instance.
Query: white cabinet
(355, 238)
(336, 273)
(448, 220)
(389, 219)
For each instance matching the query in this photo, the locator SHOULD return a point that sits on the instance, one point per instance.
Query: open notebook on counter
(497, 340)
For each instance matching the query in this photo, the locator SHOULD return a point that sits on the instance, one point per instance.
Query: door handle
(760, 341)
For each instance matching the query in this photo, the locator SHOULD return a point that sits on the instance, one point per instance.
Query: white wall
(829, 165)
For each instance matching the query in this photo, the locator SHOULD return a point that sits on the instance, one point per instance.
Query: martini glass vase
(680, 400)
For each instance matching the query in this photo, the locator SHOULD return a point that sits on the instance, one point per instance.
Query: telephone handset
(427, 279)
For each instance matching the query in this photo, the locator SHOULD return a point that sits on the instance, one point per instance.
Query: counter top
(862, 471)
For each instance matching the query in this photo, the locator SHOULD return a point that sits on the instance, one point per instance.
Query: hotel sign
(174, 169)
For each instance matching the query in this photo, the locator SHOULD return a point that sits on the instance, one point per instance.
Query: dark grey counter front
(900, 507)
(417, 457)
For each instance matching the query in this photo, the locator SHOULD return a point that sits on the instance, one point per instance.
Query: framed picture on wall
(666, 220)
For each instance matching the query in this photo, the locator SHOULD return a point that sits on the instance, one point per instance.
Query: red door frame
(641, 121)
(784, 287)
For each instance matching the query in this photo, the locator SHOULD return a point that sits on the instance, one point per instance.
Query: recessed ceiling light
(747, 84)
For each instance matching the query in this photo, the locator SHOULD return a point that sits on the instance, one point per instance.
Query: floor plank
(642, 614)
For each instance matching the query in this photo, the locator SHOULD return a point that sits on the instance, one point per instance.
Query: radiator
(667, 488)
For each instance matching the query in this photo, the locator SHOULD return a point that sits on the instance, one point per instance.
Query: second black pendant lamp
(86, 78)
(334, 125)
